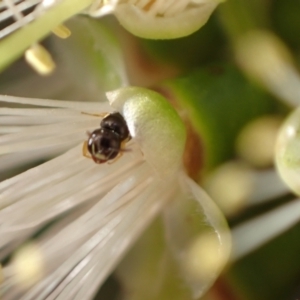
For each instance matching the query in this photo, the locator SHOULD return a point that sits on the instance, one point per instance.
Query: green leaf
(219, 102)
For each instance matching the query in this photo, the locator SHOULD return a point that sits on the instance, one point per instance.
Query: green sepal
(155, 125)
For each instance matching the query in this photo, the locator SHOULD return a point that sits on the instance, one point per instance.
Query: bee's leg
(115, 159)
(122, 150)
(123, 146)
(85, 151)
(101, 115)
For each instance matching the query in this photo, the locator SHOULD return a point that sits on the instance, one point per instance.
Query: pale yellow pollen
(62, 31)
(28, 265)
(204, 257)
(230, 186)
(256, 142)
(40, 59)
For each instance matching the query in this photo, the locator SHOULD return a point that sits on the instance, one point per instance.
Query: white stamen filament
(12, 161)
(10, 129)
(267, 186)
(65, 113)
(71, 185)
(100, 8)
(86, 107)
(265, 57)
(16, 9)
(97, 227)
(45, 131)
(236, 186)
(253, 234)
(80, 216)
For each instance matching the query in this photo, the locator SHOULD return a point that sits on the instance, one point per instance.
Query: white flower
(160, 19)
(81, 217)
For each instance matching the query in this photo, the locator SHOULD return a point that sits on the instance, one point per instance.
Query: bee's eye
(116, 123)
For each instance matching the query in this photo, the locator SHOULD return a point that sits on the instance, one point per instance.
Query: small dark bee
(107, 142)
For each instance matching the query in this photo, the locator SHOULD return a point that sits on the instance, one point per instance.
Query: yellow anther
(28, 265)
(203, 257)
(40, 59)
(62, 31)
(256, 142)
